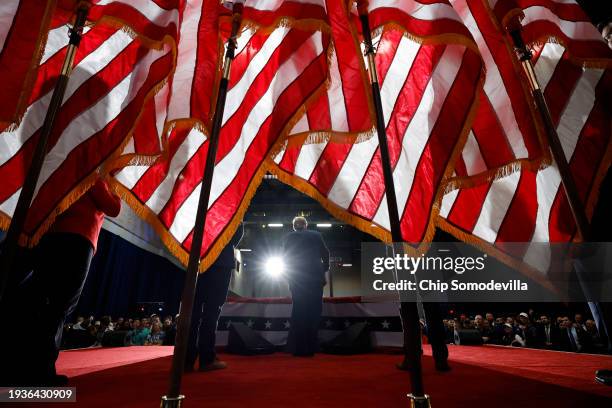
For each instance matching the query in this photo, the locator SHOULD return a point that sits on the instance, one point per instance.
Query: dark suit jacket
(541, 336)
(306, 256)
(565, 343)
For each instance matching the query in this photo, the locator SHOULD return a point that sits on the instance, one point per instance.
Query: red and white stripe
(423, 19)
(153, 19)
(504, 125)
(531, 206)
(271, 12)
(563, 20)
(113, 77)
(426, 92)
(271, 78)
(198, 63)
(23, 27)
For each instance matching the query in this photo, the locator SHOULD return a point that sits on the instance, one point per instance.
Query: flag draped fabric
(289, 53)
(117, 71)
(430, 74)
(530, 205)
(507, 124)
(23, 31)
(274, 73)
(563, 22)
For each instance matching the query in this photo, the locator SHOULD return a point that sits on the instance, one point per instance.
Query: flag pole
(525, 56)
(11, 241)
(173, 399)
(408, 310)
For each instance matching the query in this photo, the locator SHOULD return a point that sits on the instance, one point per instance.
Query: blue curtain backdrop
(122, 275)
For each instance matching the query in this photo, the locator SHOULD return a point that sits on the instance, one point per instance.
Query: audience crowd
(147, 331)
(528, 329)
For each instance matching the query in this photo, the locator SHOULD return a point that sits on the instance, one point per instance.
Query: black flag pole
(173, 399)
(525, 56)
(11, 241)
(408, 310)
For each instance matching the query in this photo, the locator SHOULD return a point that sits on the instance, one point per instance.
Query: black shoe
(443, 367)
(215, 365)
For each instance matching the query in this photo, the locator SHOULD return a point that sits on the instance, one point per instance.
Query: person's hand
(606, 33)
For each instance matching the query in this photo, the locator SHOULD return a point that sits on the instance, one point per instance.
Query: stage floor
(495, 376)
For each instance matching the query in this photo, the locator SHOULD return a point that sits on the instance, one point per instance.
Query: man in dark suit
(211, 292)
(572, 337)
(547, 334)
(307, 258)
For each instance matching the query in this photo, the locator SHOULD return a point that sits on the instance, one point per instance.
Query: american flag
(23, 31)
(428, 88)
(273, 75)
(561, 21)
(530, 205)
(116, 72)
(277, 72)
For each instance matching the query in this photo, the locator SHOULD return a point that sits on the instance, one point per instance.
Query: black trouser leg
(57, 282)
(305, 317)
(211, 291)
(435, 332)
(207, 337)
(70, 256)
(315, 309)
(298, 322)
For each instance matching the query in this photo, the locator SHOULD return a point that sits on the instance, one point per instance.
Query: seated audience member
(526, 330)
(449, 331)
(547, 334)
(483, 328)
(156, 336)
(105, 326)
(139, 334)
(170, 332)
(507, 336)
(486, 332)
(595, 339)
(572, 337)
(491, 319)
(579, 321)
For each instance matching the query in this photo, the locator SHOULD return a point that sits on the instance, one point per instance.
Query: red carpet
(491, 376)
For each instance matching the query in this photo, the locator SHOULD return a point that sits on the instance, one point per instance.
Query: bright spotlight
(275, 267)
